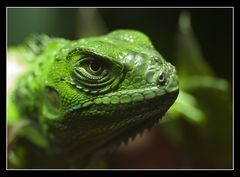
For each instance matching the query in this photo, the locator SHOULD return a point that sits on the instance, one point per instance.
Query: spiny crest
(36, 42)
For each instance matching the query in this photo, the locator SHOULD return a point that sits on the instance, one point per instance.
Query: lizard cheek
(52, 100)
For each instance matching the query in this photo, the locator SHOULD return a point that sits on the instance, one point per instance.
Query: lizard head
(108, 88)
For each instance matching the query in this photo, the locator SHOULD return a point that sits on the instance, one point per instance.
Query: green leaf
(187, 107)
(190, 60)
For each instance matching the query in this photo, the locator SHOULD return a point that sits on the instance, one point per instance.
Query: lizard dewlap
(79, 99)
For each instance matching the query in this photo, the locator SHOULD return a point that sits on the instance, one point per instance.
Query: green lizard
(80, 99)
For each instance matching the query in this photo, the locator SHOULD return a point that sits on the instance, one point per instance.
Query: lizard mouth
(126, 102)
(149, 100)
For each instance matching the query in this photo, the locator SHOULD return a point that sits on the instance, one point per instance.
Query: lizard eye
(94, 74)
(91, 68)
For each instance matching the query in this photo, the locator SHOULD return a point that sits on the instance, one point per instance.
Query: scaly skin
(79, 99)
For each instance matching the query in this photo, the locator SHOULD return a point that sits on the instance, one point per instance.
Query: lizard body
(81, 98)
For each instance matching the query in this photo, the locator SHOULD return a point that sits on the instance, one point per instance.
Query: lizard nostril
(161, 78)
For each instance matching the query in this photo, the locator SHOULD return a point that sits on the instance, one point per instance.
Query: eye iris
(95, 66)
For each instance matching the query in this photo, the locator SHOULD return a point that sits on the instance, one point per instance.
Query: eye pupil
(95, 66)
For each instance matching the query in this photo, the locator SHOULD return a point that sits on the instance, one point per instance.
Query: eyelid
(106, 59)
(88, 59)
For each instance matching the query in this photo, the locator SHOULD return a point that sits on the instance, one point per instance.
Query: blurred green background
(198, 41)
